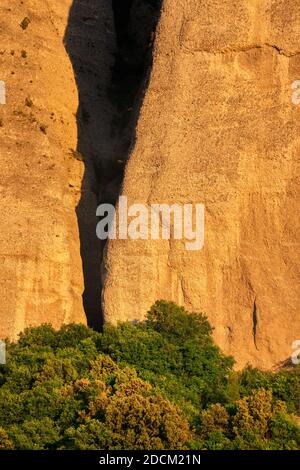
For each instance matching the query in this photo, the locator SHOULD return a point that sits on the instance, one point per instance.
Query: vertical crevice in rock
(255, 323)
(135, 24)
(109, 43)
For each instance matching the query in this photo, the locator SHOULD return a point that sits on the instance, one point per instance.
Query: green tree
(157, 384)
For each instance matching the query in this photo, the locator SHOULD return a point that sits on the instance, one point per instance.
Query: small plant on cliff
(25, 23)
(77, 155)
(43, 128)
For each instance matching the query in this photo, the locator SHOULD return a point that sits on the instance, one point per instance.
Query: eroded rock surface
(40, 178)
(218, 127)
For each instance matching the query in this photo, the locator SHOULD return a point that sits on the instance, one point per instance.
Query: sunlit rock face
(219, 126)
(40, 180)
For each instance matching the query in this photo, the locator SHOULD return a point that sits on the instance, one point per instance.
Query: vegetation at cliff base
(158, 384)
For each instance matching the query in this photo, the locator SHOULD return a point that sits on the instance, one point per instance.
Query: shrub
(174, 350)
(28, 102)
(25, 23)
(158, 384)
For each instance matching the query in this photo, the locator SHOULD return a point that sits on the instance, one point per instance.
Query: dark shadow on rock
(109, 43)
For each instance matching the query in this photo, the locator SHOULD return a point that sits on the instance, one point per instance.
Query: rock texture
(90, 41)
(218, 127)
(40, 180)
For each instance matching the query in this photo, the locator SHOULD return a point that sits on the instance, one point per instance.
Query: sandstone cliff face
(218, 127)
(40, 181)
(65, 133)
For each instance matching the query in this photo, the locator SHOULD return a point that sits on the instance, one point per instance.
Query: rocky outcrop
(73, 71)
(40, 174)
(218, 126)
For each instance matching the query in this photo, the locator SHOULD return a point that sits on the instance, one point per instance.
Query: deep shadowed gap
(109, 43)
(254, 322)
(121, 11)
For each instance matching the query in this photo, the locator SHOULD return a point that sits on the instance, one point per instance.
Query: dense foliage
(158, 384)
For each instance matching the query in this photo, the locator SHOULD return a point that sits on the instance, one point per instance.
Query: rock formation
(40, 178)
(213, 123)
(218, 126)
